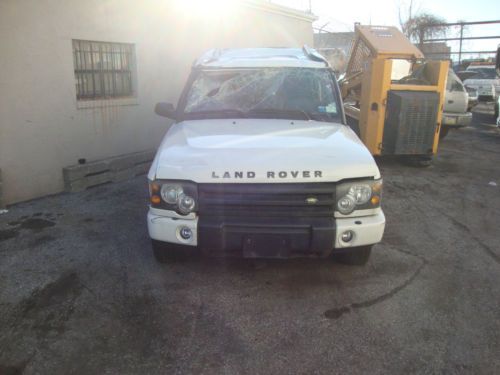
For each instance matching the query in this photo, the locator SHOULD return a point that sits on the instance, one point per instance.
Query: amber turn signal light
(155, 199)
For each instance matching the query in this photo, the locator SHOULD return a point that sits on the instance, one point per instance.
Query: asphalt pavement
(80, 291)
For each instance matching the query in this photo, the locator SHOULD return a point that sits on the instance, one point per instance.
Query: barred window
(103, 70)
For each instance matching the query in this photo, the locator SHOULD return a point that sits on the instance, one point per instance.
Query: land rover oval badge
(312, 200)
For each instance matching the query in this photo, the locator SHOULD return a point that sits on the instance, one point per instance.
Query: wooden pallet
(119, 168)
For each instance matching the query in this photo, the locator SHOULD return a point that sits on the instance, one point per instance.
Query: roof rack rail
(314, 55)
(207, 57)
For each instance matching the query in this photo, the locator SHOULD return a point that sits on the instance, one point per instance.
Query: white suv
(260, 163)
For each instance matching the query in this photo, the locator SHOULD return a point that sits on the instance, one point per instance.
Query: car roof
(261, 57)
(470, 67)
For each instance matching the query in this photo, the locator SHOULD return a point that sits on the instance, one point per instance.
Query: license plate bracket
(266, 246)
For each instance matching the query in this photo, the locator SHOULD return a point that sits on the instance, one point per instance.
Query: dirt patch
(47, 310)
(40, 241)
(36, 224)
(65, 287)
(7, 234)
(11, 370)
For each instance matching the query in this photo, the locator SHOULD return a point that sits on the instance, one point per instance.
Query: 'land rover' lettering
(270, 174)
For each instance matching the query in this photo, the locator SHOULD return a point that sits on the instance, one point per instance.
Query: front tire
(443, 132)
(165, 252)
(355, 256)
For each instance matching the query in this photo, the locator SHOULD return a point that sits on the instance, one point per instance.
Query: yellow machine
(392, 95)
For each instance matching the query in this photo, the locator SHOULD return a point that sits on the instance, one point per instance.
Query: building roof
(261, 57)
(328, 40)
(267, 6)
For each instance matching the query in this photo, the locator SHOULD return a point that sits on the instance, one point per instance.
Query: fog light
(186, 233)
(347, 236)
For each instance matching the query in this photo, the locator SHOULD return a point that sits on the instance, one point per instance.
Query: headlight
(185, 203)
(170, 193)
(179, 196)
(358, 195)
(346, 204)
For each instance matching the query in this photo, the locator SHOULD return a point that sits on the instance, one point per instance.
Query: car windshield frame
(260, 113)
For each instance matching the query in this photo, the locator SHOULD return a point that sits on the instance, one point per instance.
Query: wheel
(165, 252)
(355, 256)
(444, 131)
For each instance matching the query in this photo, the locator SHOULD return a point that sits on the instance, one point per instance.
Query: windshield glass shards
(281, 93)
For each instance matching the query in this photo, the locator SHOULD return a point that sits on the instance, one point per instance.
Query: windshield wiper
(226, 113)
(279, 112)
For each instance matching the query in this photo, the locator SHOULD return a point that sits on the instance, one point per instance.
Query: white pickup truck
(486, 81)
(456, 103)
(260, 163)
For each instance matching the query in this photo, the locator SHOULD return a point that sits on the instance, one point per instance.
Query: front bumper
(272, 237)
(485, 93)
(457, 119)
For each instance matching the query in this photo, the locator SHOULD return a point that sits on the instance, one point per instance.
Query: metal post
(460, 48)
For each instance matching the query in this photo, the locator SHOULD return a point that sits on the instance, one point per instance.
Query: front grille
(265, 200)
(410, 124)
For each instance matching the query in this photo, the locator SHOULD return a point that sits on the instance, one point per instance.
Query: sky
(341, 15)
(385, 12)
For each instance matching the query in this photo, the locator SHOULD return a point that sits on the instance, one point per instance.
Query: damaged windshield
(282, 93)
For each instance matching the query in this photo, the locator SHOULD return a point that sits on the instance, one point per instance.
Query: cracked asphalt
(81, 293)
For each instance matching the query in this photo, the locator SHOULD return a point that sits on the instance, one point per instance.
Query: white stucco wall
(42, 129)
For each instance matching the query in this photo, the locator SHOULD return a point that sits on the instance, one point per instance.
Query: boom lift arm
(393, 94)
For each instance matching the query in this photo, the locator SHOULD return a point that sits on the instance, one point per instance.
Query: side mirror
(165, 110)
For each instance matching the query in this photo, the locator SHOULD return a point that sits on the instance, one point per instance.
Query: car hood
(261, 150)
(482, 82)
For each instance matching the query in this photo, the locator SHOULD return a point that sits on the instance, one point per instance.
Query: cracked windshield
(287, 93)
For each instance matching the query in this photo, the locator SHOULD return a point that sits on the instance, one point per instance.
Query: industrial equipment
(393, 97)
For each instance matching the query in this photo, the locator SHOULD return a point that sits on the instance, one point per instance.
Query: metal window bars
(103, 69)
